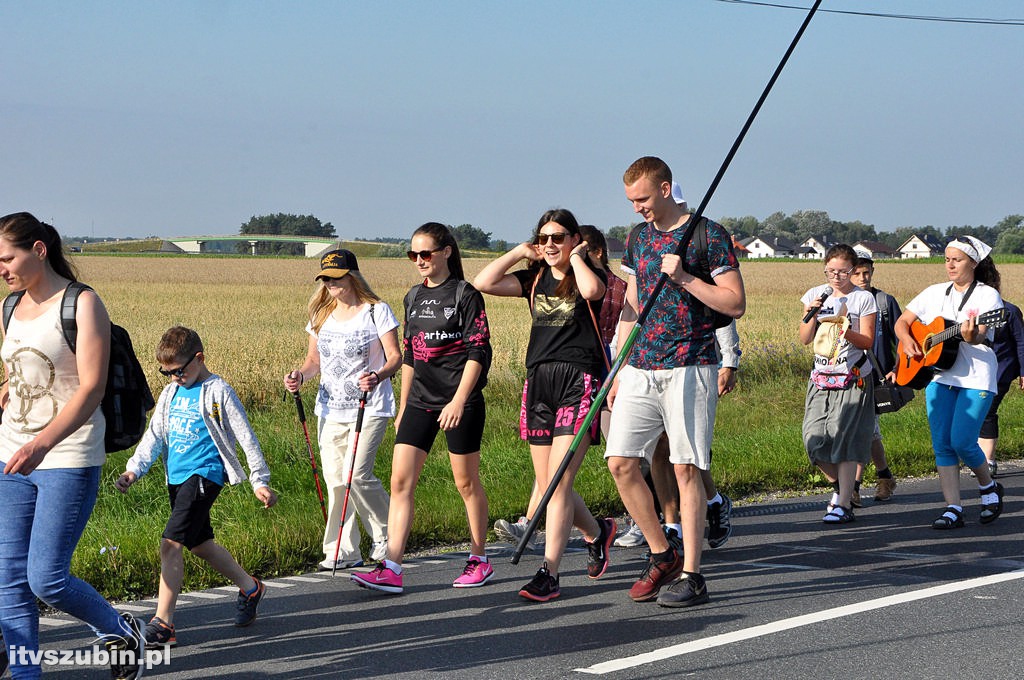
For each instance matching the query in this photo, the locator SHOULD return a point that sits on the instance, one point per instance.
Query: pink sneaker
(381, 578)
(475, 574)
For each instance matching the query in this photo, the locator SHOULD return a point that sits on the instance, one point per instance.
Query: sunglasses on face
(558, 239)
(177, 372)
(424, 255)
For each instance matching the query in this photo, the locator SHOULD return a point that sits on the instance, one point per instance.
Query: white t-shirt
(976, 366)
(347, 350)
(858, 303)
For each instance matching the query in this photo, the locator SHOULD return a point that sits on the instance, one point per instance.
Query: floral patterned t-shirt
(677, 332)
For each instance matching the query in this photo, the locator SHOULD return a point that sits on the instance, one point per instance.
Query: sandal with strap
(838, 515)
(951, 518)
(991, 510)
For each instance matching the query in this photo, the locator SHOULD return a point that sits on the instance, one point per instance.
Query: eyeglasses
(837, 273)
(558, 239)
(424, 255)
(178, 372)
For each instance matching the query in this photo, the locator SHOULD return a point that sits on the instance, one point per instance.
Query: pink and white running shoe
(381, 578)
(475, 574)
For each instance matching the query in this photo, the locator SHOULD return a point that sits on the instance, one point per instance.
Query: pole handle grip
(299, 407)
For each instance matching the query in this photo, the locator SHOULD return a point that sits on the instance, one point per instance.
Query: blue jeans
(44, 515)
(955, 415)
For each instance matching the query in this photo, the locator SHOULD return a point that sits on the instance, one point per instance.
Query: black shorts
(191, 501)
(419, 428)
(990, 426)
(556, 399)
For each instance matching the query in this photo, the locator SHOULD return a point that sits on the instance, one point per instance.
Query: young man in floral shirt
(670, 381)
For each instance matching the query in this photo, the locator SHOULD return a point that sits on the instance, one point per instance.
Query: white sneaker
(513, 533)
(330, 565)
(380, 550)
(631, 537)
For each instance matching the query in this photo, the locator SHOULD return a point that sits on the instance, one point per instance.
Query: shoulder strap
(460, 290)
(883, 308)
(68, 309)
(533, 288)
(10, 302)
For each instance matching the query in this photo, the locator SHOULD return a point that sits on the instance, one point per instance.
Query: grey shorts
(680, 402)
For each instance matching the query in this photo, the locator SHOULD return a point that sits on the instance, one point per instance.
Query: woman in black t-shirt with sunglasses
(564, 360)
(447, 352)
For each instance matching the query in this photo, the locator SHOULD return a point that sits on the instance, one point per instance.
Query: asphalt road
(884, 596)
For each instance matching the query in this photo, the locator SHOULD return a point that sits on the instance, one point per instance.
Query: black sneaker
(126, 653)
(247, 604)
(719, 522)
(991, 503)
(4, 661)
(597, 562)
(543, 587)
(686, 592)
(159, 634)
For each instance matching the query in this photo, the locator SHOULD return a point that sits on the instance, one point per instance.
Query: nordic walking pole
(351, 469)
(309, 447)
(595, 408)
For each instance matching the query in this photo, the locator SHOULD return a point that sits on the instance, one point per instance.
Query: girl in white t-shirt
(839, 409)
(353, 345)
(958, 398)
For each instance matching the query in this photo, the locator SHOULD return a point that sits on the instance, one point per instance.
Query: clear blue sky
(186, 118)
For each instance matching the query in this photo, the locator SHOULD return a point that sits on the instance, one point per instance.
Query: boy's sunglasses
(424, 255)
(558, 239)
(177, 372)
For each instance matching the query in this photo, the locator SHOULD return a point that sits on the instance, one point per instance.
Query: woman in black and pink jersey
(447, 352)
(564, 359)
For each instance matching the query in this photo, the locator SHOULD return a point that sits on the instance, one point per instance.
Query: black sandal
(951, 518)
(990, 511)
(838, 515)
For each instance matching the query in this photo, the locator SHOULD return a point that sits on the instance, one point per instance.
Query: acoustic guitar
(940, 341)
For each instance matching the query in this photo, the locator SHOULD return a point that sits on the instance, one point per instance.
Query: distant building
(874, 250)
(768, 246)
(921, 246)
(814, 247)
(738, 247)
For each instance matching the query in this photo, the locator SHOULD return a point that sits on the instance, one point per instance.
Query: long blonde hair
(321, 304)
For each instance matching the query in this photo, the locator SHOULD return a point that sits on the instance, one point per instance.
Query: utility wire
(883, 15)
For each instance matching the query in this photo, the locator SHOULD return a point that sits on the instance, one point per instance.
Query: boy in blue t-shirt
(196, 424)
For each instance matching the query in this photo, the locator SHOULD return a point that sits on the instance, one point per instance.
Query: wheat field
(251, 312)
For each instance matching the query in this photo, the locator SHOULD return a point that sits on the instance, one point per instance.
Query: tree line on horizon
(1006, 236)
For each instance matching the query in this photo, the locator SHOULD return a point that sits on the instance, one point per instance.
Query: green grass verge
(758, 449)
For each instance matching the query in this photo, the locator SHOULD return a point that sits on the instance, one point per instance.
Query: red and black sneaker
(159, 634)
(542, 588)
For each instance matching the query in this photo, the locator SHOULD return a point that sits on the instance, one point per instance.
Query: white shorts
(680, 402)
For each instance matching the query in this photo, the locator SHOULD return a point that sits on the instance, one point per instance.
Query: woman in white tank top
(51, 448)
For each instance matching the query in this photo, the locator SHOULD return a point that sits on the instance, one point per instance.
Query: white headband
(974, 248)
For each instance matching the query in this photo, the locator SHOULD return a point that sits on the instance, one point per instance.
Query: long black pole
(631, 338)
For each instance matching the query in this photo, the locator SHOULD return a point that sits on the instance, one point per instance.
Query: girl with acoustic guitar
(839, 410)
(958, 397)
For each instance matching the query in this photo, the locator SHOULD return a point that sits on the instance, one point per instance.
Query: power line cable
(914, 17)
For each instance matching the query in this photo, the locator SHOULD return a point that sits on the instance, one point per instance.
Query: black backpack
(127, 397)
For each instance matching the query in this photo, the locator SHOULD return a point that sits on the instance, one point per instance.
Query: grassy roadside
(757, 447)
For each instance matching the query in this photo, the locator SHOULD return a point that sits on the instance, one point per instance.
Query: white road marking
(796, 622)
(202, 594)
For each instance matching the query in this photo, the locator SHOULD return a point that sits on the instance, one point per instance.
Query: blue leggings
(955, 415)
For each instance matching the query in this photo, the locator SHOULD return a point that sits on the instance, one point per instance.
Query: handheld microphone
(814, 310)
